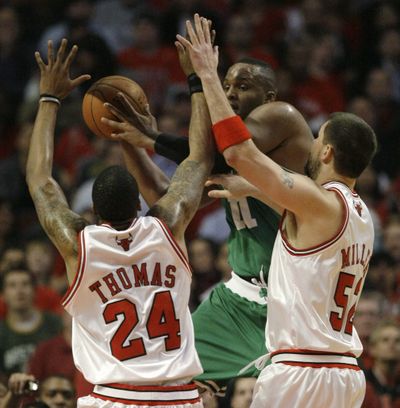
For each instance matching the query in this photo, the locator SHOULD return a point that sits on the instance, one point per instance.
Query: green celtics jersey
(253, 227)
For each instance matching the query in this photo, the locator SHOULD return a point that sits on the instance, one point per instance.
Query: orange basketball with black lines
(106, 90)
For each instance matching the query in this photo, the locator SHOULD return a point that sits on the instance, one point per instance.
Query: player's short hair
(115, 195)
(354, 143)
(268, 74)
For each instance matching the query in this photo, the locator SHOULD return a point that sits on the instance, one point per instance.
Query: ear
(327, 153)
(138, 206)
(270, 96)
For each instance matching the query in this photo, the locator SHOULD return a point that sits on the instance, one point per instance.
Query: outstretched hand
(55, 76)
(183, 53)
(132, 127)
(235, 187)
(203, 55)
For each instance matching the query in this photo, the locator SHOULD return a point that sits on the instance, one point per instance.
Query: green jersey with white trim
(253, 228)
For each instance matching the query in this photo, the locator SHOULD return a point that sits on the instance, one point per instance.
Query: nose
(230, 93)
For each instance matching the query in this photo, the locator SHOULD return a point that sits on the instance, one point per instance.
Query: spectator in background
(24, 325)
(239, 43)
(13, 187)
(389, 57)
(12, 255)
(54, 357)
(383, 378)
(239, 393)
(382, 277)
(38, 256)
(54, 392)
(369, 187)
(391, 238)
(322, 91)
(154, 65)
(379, 89)
(75, 24)
(222, 269)
(173, 18)
(369, 312)
(202, 254)
(15, 57)
(113, 18)
(7, 224)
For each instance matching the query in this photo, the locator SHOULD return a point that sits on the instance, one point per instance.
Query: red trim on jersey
(79, 274)
(317, 248)
(320, 365)
(110, 226)
(310, 352)
(174, 244)
(142, 388)
(147, 402)
(353, 192)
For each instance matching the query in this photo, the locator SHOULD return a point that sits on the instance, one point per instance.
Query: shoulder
(279, 112)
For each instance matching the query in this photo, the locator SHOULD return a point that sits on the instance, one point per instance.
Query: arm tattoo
(59, 222)
(287, 179)
(183, 196)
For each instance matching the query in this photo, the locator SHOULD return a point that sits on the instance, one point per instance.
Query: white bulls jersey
(129, 303)
(312, 293)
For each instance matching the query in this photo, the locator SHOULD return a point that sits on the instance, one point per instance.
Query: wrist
(194, 83)
(229, 132)
(45, 97)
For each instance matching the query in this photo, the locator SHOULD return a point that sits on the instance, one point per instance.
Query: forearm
(152, 182)
(173, 147)
(201, 143)
(40, 156)
(217, 101)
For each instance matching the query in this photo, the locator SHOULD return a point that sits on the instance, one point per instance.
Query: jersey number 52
(162, 322)
(344, 287)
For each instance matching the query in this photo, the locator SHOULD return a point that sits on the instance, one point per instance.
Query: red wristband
(229, 132)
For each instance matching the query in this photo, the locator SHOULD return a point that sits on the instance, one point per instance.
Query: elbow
(232, 156)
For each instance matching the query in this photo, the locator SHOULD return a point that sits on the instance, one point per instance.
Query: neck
(328, 175)
(22, 315)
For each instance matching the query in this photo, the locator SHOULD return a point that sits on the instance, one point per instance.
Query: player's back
(313, 292)
(129, 303)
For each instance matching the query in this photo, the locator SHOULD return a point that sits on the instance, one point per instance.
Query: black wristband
(173, 147)
(194, 83)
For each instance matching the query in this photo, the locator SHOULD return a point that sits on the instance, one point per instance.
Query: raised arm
(286, 190)
(182, 200)
(55, 216)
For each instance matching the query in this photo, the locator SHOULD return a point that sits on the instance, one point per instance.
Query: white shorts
(282, 386)
(129, 396)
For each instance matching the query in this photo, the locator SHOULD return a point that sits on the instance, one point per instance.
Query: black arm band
(194, 83)
(175, 148)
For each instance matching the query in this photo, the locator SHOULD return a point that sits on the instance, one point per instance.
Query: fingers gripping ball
(106, 90)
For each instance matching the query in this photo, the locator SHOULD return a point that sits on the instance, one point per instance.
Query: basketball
(106, 90)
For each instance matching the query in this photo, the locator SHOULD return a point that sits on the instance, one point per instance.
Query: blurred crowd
(329, 55)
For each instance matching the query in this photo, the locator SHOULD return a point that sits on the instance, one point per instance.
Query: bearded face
(312, 166)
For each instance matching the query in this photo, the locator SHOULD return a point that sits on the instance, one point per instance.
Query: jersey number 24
(162, 322)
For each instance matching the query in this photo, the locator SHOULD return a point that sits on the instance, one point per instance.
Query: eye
(243, 87)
